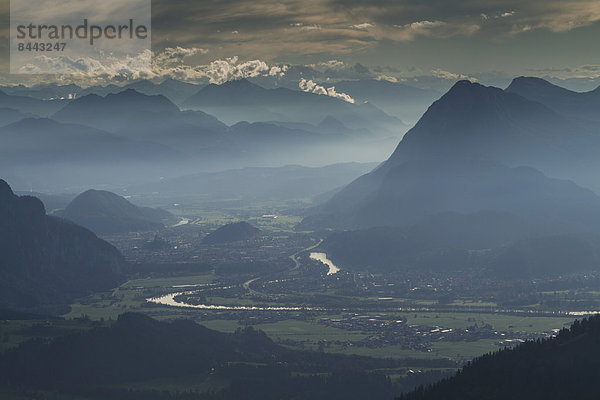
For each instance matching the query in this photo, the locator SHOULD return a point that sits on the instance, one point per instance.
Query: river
(169, 300)
(322, 257)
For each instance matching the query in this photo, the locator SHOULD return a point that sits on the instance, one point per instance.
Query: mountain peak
(531, 80)
(105, 212)
(467, 87)
(524, 85)
(132, 94)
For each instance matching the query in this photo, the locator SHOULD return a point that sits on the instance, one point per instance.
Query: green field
(500, 322)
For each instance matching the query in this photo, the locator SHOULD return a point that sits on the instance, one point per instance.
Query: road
(293, 257)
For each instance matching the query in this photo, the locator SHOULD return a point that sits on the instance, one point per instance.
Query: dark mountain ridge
(46, 261)
(465, 155)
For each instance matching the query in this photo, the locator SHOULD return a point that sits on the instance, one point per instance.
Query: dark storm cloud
(269, 28)
(223, 39)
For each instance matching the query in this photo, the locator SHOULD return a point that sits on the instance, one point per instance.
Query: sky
(490, 41)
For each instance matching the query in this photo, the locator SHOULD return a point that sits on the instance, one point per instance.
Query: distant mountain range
(135, 116)
(405, 102)
(133, 112)
(147, 136)
(30, 105)
(254, 183)
(9, 116)
(41, 140)
(556, 368)
(48, 262)
(104, 213)
(242, 100)
(175, 90)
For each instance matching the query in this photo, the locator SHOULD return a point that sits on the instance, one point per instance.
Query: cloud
(440, 73)
(311, 87)
(363, 26)
(170, 63)
(176, 55)
(217, 71)
(331, 65)
(109, 67)
(388, 78)
(310, 28)
(589, 71)
(435, 28)
(505, 14)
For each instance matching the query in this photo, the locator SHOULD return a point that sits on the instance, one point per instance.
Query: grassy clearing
(464, 351)
(383, 352)
(308, 331)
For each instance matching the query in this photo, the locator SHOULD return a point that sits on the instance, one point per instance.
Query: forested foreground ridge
(562, 367)
(137, 357)
(46, 262)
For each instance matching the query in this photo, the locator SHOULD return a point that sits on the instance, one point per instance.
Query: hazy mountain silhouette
(402, 101)
(9, 116)
(30, 105)
(557, 368)
(44, 91)
(104, 212)
(42, 140)
(288, 182)
(174, 90)
(402, 195)
(132, 111)
(455, 159)
(232, 233)
(46, 261)
(242, 100)
(585, 106)
(487, 123)
(155, 118)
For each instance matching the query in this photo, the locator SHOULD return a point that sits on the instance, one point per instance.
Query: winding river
(169, 300)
